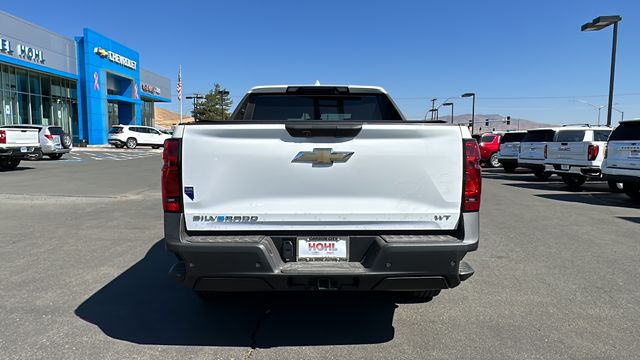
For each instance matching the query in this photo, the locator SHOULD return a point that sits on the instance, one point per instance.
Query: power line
(527, 97)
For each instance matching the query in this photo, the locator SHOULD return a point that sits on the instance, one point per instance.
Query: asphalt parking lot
(83, 275)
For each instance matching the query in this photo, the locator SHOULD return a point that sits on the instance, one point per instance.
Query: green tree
(211, 108)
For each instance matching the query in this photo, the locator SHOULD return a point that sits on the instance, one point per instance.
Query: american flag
(179, 83)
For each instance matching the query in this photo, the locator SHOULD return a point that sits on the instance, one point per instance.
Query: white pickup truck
(622, 158)
(576, 153)
(321, 188)
(533, 151)
(15, 144)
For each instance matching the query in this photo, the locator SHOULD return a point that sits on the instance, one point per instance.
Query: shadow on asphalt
(19, 168)
(617, 200)
(144, 306)
(630, 218)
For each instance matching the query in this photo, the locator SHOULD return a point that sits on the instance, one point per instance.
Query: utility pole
(195, 98)
(433, 108)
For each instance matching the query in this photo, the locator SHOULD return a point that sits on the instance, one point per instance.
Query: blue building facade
(85, 85)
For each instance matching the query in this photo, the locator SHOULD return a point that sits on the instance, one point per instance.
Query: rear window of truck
(512, 137)
(300, 107)
(570, 135)
(626, 131)
(539, 136)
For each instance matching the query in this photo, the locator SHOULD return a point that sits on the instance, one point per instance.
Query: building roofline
(36, 25)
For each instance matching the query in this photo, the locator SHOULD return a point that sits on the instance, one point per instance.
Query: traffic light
(508, 120)
(486, 122)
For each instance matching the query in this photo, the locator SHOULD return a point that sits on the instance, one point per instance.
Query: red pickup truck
(489, 146)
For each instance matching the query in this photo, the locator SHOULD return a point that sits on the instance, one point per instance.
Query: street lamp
(600, 23)
(598, 107)
(449, 104)
(473, 108)
(434, 114)
(222, 94)
(195, 98)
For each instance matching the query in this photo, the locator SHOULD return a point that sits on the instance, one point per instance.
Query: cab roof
(285, 88)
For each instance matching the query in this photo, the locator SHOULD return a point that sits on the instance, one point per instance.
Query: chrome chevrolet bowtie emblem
(322, 157)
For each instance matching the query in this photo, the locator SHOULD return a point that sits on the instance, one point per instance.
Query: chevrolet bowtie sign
(322, 157)
(116, 58)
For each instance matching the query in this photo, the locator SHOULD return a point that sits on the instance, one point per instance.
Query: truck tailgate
(532, 150)
(21, 137)
(244, 177)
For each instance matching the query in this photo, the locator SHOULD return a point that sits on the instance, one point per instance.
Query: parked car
(622, 158)
(15, 144)
(132, 136)
(316, 188)
(489, 146)
(509, 149)
(533, 151)
(54, 142)
(577, 152)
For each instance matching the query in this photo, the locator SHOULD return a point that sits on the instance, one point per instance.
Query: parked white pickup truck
(321, 188)
(622, 158)
(533, 151)
(509, 149)
(15, 144)
(576, 153)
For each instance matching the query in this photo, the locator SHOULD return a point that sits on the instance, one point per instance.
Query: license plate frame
(322, 248)
(565, 167)
(24, 149)
(634, 154)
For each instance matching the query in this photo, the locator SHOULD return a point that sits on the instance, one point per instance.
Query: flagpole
(180, 77)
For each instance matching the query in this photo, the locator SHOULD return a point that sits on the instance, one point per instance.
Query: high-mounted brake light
(472, 176)
(593, 152)
(171, 199)
(3, 137)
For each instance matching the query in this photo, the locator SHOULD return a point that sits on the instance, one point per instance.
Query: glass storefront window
(23, 81)
(46, 85)
(34, 83)
(148, 113)
(23, 109)
(46, 111)
(55, 87)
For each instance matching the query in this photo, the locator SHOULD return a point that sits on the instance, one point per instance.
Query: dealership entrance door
(120, 112)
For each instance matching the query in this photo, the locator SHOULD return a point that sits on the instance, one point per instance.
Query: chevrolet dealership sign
(116, 58)
(22, 51)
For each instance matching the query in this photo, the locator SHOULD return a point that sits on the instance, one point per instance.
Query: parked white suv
(509, 149)
(134, 135)
(533, 151)
(622, 157)
(577, 152)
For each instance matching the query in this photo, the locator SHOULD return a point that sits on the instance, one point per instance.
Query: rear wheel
(418, 296)
(9, 164)
(55, 156)
(632, 190)
(573, 181)
(541, 174)
(493, 160)
(509, 169)
(119, 146)
(132, 143)
(36, 155)
(155, 147)
(615, 187)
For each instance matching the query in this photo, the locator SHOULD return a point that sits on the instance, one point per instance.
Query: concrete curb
(113, 149)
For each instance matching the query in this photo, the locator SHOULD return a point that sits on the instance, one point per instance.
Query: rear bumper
(508, 161)
(51, 149)
(16, 152)
(536, 165)
(623, 178)
(578, 170)
(377, 262)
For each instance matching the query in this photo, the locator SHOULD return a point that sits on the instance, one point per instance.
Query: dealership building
(85, 84)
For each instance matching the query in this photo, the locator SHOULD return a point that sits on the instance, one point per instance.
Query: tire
(55, 156)
(132, 143)
(509, 169)
(541, 174)
(118, 146)
(66, 141)
(632, 190)
(35, 156)
(615, 187)
(573, 181)
(9, 164)
(155, 147)
(493, 161)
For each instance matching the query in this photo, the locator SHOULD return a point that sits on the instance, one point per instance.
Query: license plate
(564, 167)
(323, 248)
(23, 149)
(634, 154)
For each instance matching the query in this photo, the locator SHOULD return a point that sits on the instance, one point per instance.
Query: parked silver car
(54, 142)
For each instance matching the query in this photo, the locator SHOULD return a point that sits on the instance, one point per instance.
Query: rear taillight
(472, 176)
(171, 176)
(545, 151)
(3, 137)
(48, 136)
(606, 151)
(593, 152)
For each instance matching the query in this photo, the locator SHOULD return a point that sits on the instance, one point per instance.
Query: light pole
(222, 94)
(434, 114)
(621, 113)
(473, 108)
(195, 98)
(433, 108)
(600, 23)
(598, 107)
(449, 104)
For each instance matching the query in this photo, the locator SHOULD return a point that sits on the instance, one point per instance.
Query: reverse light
(592, 152)
(472, 176)
(3, 137)
(171, 199)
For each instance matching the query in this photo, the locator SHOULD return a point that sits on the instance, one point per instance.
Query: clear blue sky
(526, 59)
